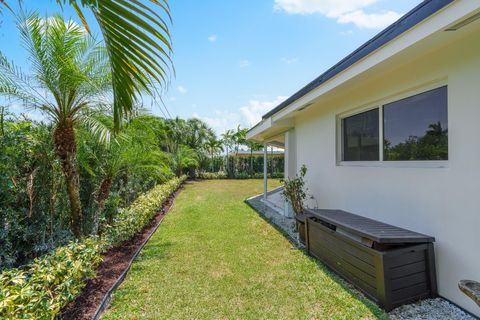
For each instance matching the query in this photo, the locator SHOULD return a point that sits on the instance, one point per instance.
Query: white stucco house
(392, 132)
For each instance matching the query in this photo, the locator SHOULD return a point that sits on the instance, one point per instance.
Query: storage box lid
(372, 229)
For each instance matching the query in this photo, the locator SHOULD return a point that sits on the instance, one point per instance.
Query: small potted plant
(295, 193)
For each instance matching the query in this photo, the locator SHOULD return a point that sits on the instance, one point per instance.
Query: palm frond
(138, 42)
(6, 5)
(98, 125)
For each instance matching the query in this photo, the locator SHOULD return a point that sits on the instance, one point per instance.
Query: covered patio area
(281, 137)
(271, 203)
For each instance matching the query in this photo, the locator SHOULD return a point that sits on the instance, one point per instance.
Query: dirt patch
(115, 261)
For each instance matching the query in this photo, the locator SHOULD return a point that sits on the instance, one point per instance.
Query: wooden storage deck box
(391, 265)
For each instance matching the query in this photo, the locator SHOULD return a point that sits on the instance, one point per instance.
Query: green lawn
(215, 258)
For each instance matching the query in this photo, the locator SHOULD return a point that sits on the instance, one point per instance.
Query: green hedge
(212, 175)
(131, 220)
(41, 289)
(239, 175)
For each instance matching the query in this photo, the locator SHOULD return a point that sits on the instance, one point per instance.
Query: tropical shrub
(42, 289)
(239, 175)
(275, 175)
(212, 175)
(132, 219)
(294, 190)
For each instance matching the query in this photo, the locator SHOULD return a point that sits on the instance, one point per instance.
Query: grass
(216, 258)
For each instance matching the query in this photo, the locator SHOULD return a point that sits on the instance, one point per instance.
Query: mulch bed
(115, 261)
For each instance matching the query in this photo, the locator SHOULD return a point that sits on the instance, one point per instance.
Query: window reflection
(416, 128)
(361, 137)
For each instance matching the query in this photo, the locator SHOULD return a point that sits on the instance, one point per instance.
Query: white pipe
(265, 172)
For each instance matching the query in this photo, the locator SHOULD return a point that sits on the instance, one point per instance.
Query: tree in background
(239, 139)
(228, 141)
(213, 147)
(253, 146)
(70, 76)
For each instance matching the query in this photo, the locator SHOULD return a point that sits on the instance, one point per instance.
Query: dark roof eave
(408, 21)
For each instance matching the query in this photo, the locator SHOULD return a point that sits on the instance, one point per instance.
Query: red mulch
(115, 261)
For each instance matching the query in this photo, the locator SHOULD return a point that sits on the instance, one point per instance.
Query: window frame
(379, 104)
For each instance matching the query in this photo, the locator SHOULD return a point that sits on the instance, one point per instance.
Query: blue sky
(235, 60)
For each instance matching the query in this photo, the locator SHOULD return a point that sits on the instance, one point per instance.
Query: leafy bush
(212, 175)
(41, 289)
(132, 219)
(294, 191)
(275, 175)
(238, 175)
(49, 283)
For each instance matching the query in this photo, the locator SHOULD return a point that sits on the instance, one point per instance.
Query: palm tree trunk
(66, 150)
(211, 161)
(2, 120)
(102, 195)
(226, 161)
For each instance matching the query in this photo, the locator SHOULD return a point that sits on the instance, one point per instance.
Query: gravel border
(430, 309)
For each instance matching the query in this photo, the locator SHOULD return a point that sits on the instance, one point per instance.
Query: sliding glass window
(361, 137)
(416, 128)
(413, 129)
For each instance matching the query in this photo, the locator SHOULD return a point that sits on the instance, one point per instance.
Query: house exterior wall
(440, 201)
(290, 154)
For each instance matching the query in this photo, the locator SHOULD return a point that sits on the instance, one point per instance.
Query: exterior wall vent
(464, 22)
(304, 107)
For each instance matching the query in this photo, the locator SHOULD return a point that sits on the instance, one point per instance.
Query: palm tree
(227, 140)
(198, 133)
(213, 147)
(176, 131)
(137, 39)
(134, 149)
(239, 138)
(70, 76)
(185, 158)
(253, 146)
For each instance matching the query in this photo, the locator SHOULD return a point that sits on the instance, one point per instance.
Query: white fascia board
(255, 132)
(438, 22)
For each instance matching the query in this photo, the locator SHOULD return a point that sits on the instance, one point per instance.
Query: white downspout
(286, 155)
(265, 172)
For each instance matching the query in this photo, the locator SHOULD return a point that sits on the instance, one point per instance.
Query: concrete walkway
(272, 212)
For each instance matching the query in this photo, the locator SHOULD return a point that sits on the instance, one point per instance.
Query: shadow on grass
(349, 288)
(155, 251)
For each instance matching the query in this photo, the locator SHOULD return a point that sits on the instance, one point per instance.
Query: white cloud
(221, 121)
(346, 33)
(212, 38)
(290, 60)
(182, 89)
(370, 20)
(247, 116)
(343, 11)
(244, 63)
(172, 99)
(253, 112)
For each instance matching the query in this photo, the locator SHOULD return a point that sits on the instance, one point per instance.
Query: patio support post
(265, 172)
